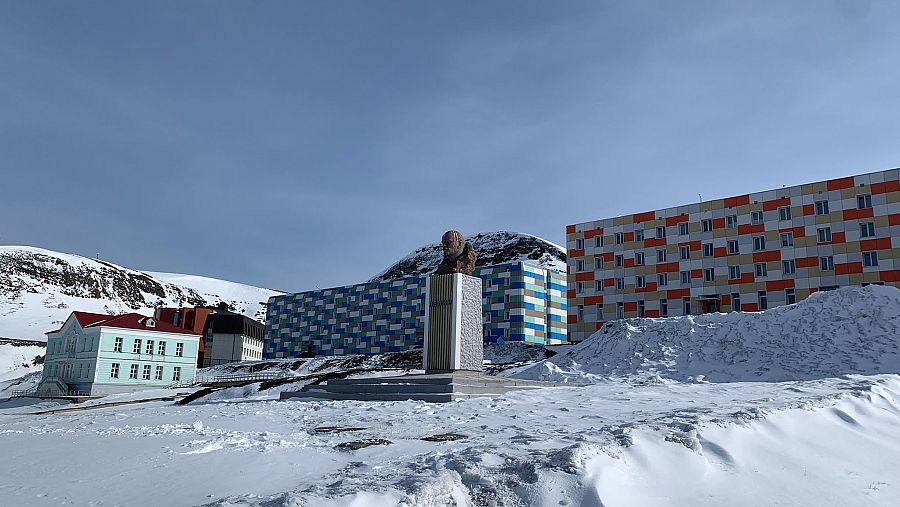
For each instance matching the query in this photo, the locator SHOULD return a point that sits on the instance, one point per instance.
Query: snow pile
(512, 352)
(492, 248)
(40, 288)
(17, 361)
(850, 330)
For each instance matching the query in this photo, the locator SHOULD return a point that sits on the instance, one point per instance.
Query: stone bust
(459, 256)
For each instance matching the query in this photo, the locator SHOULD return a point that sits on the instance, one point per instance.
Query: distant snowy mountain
(39, 288)
(491, 247)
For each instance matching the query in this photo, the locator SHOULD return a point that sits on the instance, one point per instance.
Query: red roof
(127, 321)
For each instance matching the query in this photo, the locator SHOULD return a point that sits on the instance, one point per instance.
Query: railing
(32, 393)
(243, 377)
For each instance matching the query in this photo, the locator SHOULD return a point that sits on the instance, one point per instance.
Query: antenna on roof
(701, 197)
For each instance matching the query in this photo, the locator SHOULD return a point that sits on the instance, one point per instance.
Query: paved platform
(431, 387)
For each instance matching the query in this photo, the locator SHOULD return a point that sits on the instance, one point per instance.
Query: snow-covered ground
(647, 428)
(17, 361)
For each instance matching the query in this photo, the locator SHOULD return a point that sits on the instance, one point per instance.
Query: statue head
(452, 243)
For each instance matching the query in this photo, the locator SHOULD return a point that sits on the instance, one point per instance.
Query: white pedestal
(454, 331)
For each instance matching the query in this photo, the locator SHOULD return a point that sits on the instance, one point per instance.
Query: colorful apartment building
(522, 302)
(96, 354)
(747, 253)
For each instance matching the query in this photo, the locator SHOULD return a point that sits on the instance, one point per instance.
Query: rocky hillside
(39, 288)
(492, 248)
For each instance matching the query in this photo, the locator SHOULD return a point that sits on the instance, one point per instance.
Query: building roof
(127, 321)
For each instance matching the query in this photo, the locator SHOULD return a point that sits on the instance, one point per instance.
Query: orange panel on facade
(749, 307)
(720, 252)
(848, 268)
(584, 277)
(745, 278)
(856, 214)
(696, 273)
(576, 252)
(887, 186)
(725, 299)
(606, 256)
(570, 229)
(875, 244)
(775, 285)
(644, 217)
(630, 306)
(807, 262)
(609, 282)
(650, 287)
(894, 219)
(572, 319)
(672, 221)
(593, 300)
(718, 223)
(692, 245)
(651, 314)
(774, 255)
(840, 183)
(628, 236)
(809, 209)
(892, 276)
(629, 263)
(667, 267)
(654, 242)
(740, 200)
(839, 237)
(678, 293)
(593, 233)
(774, 204)
(751, 228)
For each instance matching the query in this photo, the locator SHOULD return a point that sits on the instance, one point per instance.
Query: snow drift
(850, 330)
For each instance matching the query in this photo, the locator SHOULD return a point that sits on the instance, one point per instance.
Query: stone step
(410, 388)
(358, 396)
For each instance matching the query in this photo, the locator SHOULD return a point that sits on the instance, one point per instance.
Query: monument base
(454, 329)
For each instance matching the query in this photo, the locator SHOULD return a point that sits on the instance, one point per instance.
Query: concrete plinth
(454, 331)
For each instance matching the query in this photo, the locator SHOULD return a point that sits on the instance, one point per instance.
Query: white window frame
(867, 230)
(682, 277)
(620, 238)
(756, 217)
(784, 213)
(826, 263)
(159, 373)
(706, 225)
(133, 371)
(639, 235)
(761, 269)
(763, 300)
(733, 246)
(870, 259)
(736, 301)
(708, 249)
(660, 232)
(709, 274)
(179, 349)
(620, 283)
(790, 295)
(662, 279)
(638, 258)
(619, 261)
(864, 201)
(759, 243)
(734, 272)
(176, 374)
(787, 239)
(118, 343)
(149, 348)
(640, 281)
(685, 252)
(136, 349)
(683, 229)
(788, 266)
(823, 235)
(114, 370)
(822, 207)
(661, 255)
(731, 221)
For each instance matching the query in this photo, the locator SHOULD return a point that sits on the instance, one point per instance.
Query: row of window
(823, 235)
(762, 302)
(149, 349)
(70, 371)
(731, 222)
(145, 373)
(761, 269)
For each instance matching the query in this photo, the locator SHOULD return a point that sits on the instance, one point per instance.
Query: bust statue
(459, 256)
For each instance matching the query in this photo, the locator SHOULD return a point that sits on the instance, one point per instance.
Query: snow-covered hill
(39, 288)
(492, 248)
(830, 334)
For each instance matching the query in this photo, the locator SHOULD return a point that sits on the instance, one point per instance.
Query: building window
(150, 347)
(639, 235)
(579, 288)
(641, 309)
(762, 269)
(683, 228)
(788, 267)
(580, 313)
(826, 263)
(598, 263)
(790, 295)
(620, 310)
(734, 272)
(620, 260)
(685, 252)
(133, 372)
(598, 285)
(821, 207)
(867, 230)
(870, 259)
(579, 265)
(756, 217)
(660, 256)
(137, 346)
(759, 243)
(598, 241)
(709, 274)
(620, 283)
(733, 246)
(736, 301)
(864, 201)
(176, 373)
(685, 277)
(664, 307)
(686, 306)
(706, 224)
(707, 249)
(640, 281)
(159, 373)
(114, 370)
(179, 349)
(784, 213)
(731, 222)
(662, 279)
(763, 300)
(579, 243)
(639, 258)
(162, 348)
(824, 234)
(600, 313)
(787, 239)
(117, 346)
(80, 369)
(620, 238)
(660, 232)
(146, 374)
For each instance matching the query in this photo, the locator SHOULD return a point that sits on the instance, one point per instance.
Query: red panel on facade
(887, 186)
(696, 273)
(807, 262)
(692, 245)
(628, 236)
(839, 237)
(718, 223)
(774, 204)
(576, 252)
(593, 300)
(725, 299)
(650, 287)
(570, 294)
(593, 233)
(848, 268)
(840, 183)
(720, 252)
(630, 306)
(667, 267)
(629, 263)
(891, 276)
(875, 244)
(751, 228)
(745, 278)
(654, 242)
(780, 284)
(740, 200)
(570, 229)
(573, 319)
(651, 314)
(774, 255)
(894, 219)
(584, 277)
(644, 217)
(678, 293)
(609, 282)
(672, 221)
(599, 325)
(606, 256)
(809, 209)
(749, 307)
(856, 214)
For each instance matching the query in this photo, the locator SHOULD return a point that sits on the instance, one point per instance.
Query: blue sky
(301, 144)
